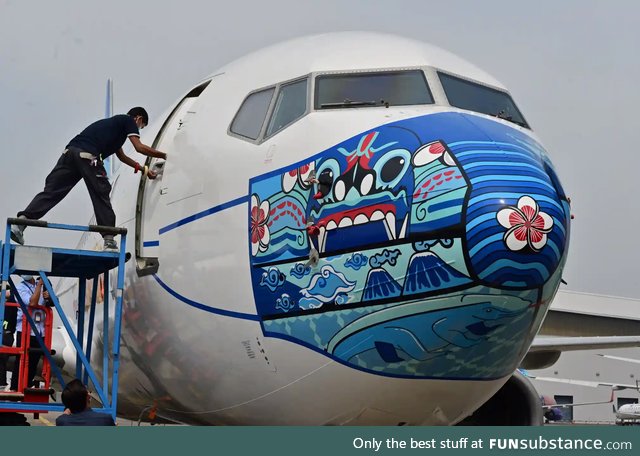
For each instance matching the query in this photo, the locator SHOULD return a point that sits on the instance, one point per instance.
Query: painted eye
(327, 172)
(392, 167)
(325, 175)
(366, 184)
(339, 190)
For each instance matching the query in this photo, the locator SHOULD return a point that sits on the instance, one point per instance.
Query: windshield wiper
(347, 104)
(503, 115)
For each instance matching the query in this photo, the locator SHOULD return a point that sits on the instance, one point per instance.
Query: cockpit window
(251, 115)
(390, 88)
(476, 97)
(291, 104)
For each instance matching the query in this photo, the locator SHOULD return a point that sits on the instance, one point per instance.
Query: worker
(83, 159)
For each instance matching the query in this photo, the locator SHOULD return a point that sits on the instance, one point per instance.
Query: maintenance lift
(83, 265)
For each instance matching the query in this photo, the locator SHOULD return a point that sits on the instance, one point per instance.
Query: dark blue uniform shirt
(85, 418)
(106, 136)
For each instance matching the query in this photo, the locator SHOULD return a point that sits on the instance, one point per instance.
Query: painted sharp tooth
(386, 228)
(331, 225)
(390, 222)
(321, 239)
(360, 219)
(403, 230)
(345, 222)
(324, 242)
(377, 215)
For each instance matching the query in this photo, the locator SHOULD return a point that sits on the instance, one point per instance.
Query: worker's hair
(74, 396)
(139, 111)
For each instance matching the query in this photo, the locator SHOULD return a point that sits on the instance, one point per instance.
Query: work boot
(110, 245)
(16, 234)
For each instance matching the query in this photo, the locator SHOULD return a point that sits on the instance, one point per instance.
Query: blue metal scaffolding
(84, 265)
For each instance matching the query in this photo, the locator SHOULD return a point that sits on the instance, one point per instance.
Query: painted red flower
(259, 230)
(526, 225)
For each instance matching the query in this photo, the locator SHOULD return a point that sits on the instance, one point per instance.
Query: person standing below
(76, 399)
(31, 294)
(83, 159)
(8, 329)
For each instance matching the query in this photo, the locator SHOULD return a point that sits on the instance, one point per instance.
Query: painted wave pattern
(474, 339)
(521, 175)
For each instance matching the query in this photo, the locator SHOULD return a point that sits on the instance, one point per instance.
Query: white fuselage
(628, 412)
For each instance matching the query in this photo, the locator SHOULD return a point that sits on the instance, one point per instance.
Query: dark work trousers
(34, 359)
(64, 176)
(7, 341)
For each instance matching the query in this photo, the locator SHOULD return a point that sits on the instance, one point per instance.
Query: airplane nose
(516, 215)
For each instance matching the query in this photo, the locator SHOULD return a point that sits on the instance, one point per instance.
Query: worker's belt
(82, 154)
(87, 155)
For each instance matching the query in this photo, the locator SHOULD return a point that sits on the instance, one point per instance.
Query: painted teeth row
(359, 220)
(389, 224)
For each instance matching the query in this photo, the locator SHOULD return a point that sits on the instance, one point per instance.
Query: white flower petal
(289, 180)
(254, 201)
(264, 207)
(504, 216)
(513, 243)
(538, 245)
(266, 237)
(255, 246)
(548, 221)
(527, 201)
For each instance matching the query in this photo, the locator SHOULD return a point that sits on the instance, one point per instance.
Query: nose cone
(516, 215)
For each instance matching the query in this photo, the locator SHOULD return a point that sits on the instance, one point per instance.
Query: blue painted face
(452, 226)
(370, 178)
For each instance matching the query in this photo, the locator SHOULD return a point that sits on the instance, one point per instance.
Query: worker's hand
(151, 174)
(66, 412)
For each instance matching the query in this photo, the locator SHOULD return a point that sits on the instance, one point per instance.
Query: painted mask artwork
(438, 237)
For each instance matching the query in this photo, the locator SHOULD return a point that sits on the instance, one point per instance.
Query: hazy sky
(572, 66)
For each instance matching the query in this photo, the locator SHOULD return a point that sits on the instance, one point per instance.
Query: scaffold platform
(84, 265)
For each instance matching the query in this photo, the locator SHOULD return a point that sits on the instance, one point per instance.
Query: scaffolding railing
(50, 262)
